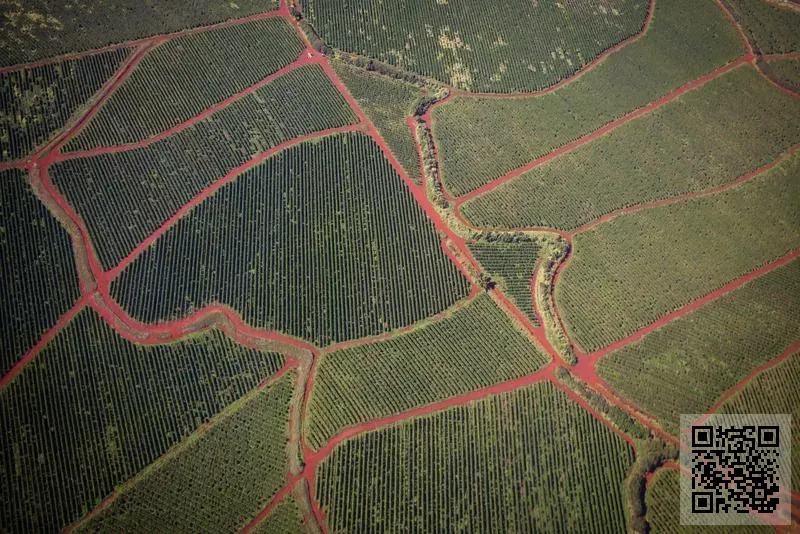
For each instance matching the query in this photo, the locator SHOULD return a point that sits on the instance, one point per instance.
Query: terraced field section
(530, 460)
(43, 29)
(663, 509)
(388, 103)
(705, 138)
(774, 391)
(511, 265)
(502, 46)
(38, 278)
(184, 76)
(473, 347)
(94, 409)
(322, 241)
(481, 139)
(125, 196)
(638, 267)
(688, 364)
(37, 101)
(770, 29)
(218, 481)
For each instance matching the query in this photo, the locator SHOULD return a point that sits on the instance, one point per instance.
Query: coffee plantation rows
(95, 409)
(182, 77)
(687, 39)
(218, 481)
(786, 72)
(473, 347)
(43, 29)
(388, 103)
(511, 266)
(38, 101)
(531, 460)
(771, 30)
(35, 259)
(774, 391)
(609, 290)
(499, 47)
(322, 241)
(688, 364)
(700, 140)
(285, 518)
(124, 197)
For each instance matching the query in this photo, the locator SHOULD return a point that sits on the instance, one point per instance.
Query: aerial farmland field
(422, 266)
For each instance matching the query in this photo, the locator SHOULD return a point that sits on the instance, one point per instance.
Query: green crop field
(770, 29)
(181, 78)
(499, 47)
(679, 148)
(786, 72)
(37, 101)
(35, 258)
(418, 368)
(287, 517)
(507, 463)
(694, 246)
(686, 366)
(480, 139)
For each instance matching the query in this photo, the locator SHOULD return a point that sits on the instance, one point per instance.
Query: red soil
(276, 499)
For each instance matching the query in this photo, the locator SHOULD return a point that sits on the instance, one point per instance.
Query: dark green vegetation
(511, 266)
(650, 454)
(481, 139)
(771, 30)
(688, 364)
(629, 272)
(786, 72)
(498, 46)
(387, 102)
(36, 102)
(775, 391)
(38, 279)
(285, 518)
(124, 197)
(322, 241)
(703, 139)
(36, 29)
(474, 347)
(184, 76)
(218, 481)
(531, 460)
(92, 410)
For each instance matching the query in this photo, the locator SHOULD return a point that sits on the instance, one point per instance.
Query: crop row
(218, 481)
(471, 348)
(38, 101)
(124, 197)
(38, 278)
(526, 461)
(182, 77)
(638, 267)
(771, 30)
(500, 46)
(322, 241)
(705, 138)
(786, 72)
(287, 517)
(94, 409)
(686, 39)
(43, 29)
(688, 364)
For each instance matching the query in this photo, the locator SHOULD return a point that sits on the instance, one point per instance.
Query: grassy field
(770, 30)
(703, 139)
(627, 273)
(124, 197)
(322, 241)
(43, 29)
(94, 409)
(221, 480)
(184, 76)
(498, 47)
(387, 102)
(35, 259)
(531, 460)
(473, 347)
(688, 364)
(36, 102)
(480, 139)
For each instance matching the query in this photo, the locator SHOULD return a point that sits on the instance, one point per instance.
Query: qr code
(735, 469)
